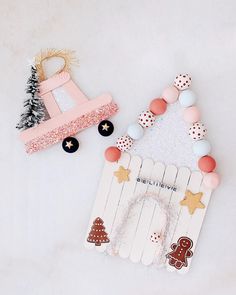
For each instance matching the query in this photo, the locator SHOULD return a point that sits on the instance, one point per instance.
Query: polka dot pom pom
(207, 164)
(112, 154)
(146, 119)
(183, 81)
(158, 106)
(124, 143)
(170, 94)
(197, 131)
(211, 180)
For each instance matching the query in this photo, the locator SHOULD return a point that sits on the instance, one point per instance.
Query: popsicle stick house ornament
(57, 109)
(153, 213)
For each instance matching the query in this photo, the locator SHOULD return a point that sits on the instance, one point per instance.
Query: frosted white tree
(34, 108)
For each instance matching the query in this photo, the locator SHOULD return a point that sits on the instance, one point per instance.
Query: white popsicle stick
(127, 195)
(169, 178)
(113, 198)
(181, 183)
(151, 250)
(184, 216)
(146, 215)
(134, 214)
(195, 224)
(101, 197)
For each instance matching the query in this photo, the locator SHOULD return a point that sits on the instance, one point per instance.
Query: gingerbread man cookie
(181, 251)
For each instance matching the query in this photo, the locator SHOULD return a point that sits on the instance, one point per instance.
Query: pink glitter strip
(71, 128)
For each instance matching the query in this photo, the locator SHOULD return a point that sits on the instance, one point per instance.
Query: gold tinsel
(67, 55)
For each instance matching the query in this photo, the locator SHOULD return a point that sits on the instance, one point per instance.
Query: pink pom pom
(170, 94)
(211, 180)
(112, 154)
(124, 143)
(192, 114)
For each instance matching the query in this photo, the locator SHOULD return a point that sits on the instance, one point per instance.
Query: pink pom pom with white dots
(197, 131)
(156, 237)
(124, 143)
(146, 119)
(182, 81)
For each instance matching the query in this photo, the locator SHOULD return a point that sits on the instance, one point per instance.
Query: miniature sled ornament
(68, 108)
(162, 230)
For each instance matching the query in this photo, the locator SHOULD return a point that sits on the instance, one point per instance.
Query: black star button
(70, 144)
(105, 128)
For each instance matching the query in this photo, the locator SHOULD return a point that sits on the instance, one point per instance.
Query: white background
(132, 48)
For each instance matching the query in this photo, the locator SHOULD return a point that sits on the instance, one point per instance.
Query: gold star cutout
(69, 144)
(105, 127)
(192, 201)
(122, 174)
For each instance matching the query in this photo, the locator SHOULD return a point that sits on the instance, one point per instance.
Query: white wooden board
(132, 210)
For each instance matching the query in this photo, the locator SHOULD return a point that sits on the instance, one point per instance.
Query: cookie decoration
(180, 253)
(192, 201)
(97, 234)
(122, 174)
(197, 131)
(70, 145)
(124, 143)
(182, 81)
(56, 108)
(146, 119)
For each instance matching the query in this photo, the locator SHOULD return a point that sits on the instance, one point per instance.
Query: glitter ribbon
(71, 128)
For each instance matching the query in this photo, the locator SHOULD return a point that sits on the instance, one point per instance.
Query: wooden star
(122, 174)
(105, 127)
(69, 144)
(192, 201)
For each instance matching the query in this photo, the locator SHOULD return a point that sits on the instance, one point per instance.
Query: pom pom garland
(191, 114)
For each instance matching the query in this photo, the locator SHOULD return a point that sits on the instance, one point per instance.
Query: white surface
(133, 49)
